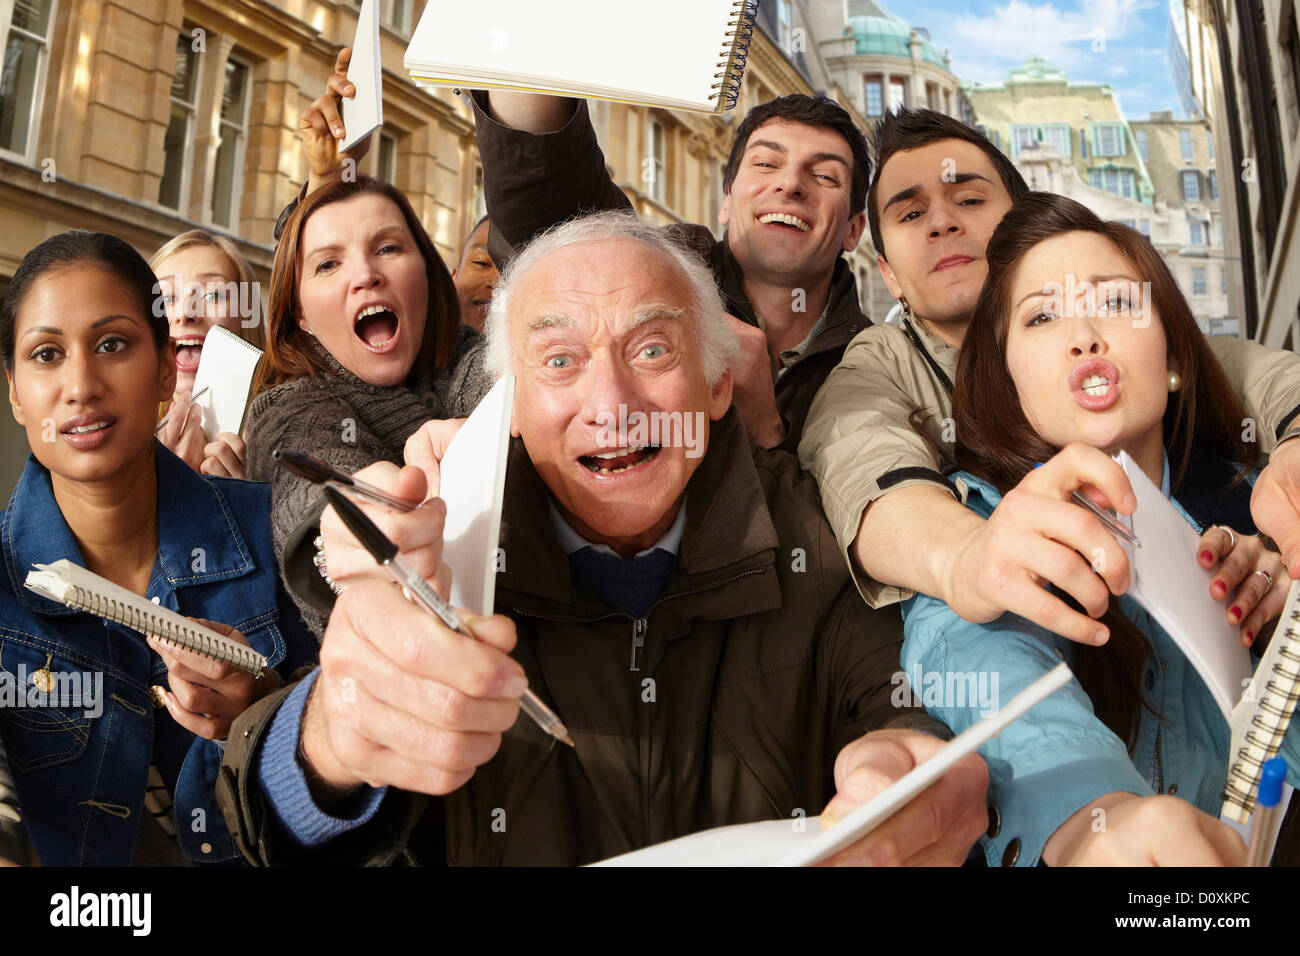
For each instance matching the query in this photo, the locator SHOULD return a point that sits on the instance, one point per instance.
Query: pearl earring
(1175, 381)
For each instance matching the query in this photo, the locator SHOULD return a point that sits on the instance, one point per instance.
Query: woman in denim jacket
(1082, 346)
(87, 356)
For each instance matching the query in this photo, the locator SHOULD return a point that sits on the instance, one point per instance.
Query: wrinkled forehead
(620, 283)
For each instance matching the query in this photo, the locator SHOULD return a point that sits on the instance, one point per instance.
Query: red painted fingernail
(1250, 636)
(1235, 614)
(1207, 556)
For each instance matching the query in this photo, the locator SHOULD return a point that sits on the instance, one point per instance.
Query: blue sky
(986, 38)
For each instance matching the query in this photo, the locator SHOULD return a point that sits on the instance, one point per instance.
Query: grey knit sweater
(350, 424)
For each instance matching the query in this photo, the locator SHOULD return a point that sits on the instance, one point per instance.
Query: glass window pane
(1185, 143)
(32, 16)
(223, 182)
(169, 189)
(875, 98)
(235, 92)
(18, 91)
(183, 78)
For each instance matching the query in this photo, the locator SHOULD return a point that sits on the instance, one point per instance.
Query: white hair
(719, 347)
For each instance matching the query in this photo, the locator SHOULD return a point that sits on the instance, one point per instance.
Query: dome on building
(877, 32)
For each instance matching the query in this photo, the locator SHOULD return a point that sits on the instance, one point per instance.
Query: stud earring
(1175, 381)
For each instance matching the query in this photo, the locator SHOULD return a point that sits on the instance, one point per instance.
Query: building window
(897, 93)
(1023, 135)
(387, 170)
(1185, 145)
(1223, 281)
(875, 96)
(784, 20)
(25, 40)
(1108, 139)
(1142, 143)
(1144, 227)
(1118, 182)
(180, 128)
(931, 96)
(396, 14)
(1058, 136)
(480, 196)
(227, 182)
(1218, 233)
(1214, 185)
(1209, 144)
(1191, 185)
(656, 160)
(947, 102)
(1083, 143)
(1198, 234)
(1199, 284)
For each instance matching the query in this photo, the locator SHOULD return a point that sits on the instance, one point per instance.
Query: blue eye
(559, 361)
(657, 350)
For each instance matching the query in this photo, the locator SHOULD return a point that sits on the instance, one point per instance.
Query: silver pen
(385, 552)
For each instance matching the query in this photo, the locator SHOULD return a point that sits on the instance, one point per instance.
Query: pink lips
(88, 441)
(1095, 403)
(951, 262)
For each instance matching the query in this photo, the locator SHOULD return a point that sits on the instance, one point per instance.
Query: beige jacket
(883, 421)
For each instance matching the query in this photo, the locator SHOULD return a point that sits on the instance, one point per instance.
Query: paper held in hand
(679, 54)
(472, 484)
(364, 112)
(800, 842)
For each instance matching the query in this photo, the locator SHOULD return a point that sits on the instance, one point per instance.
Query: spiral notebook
(226, 368)
(677, 54)
(74, 586)
(1260, 720)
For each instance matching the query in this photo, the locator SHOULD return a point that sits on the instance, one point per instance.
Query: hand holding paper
(322, 128)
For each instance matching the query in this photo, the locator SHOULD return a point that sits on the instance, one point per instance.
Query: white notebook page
(668, 50)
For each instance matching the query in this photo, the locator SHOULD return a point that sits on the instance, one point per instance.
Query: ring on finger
(1267, 577)
(1232, 538)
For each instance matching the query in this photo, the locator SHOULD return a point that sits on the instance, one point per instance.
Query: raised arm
(541, 166)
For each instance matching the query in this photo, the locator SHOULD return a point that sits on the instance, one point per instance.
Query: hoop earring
(907, 309)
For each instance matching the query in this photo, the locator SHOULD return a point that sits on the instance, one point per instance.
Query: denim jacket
(81, 770)
(1059, 756)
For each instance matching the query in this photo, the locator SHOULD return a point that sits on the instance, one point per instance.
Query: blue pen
(1106, 518)
(1268, 804)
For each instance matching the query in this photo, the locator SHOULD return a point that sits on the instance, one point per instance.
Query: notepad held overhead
(677, 54)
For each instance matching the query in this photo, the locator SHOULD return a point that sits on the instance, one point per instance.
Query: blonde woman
(204, 282)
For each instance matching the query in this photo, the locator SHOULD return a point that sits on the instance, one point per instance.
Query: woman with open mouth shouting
(205, 282)
(364, 345)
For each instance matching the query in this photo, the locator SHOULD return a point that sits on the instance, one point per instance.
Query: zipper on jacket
(1160, 770)
(639, 626)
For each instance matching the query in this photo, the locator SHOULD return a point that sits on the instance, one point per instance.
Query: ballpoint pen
(193, 398)
(313, 469)
(385, 552)
(1268, 804)
(1106, 518)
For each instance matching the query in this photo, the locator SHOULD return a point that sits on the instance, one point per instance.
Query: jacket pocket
(43, 705)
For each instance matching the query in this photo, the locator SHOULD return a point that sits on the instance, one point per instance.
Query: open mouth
(618, 461)
(88, 432)
(188, 352)
(784, 219)
(1095, 385)
(376, 326)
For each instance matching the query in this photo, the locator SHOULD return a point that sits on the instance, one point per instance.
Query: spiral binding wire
(102, 605)
(1278, 700)
(731, 66)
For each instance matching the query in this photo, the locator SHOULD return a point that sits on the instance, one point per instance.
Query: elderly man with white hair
(682, 605)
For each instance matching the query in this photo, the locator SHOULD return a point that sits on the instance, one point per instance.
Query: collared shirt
(571, 541)
(789, 357)
(80, 775)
